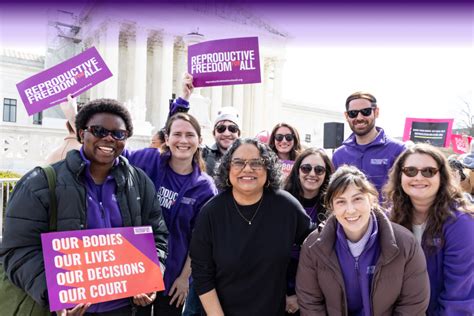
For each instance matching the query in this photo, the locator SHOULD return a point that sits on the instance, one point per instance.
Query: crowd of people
(379, 228)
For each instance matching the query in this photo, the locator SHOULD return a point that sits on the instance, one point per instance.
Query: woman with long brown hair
(424, 198)
(183, 188)
(285, 141)
(307, 182)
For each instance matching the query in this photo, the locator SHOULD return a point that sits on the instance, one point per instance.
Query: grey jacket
(27, 216)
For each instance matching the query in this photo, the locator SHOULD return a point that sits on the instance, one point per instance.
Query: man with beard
(368, 147)
(226, 131)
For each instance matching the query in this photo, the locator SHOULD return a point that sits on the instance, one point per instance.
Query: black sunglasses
(365, 112)
(427, 172)
(232, 128)
(101, 132)
(306, 169)
(288, 137)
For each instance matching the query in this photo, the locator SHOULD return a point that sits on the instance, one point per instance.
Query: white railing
(6, 186)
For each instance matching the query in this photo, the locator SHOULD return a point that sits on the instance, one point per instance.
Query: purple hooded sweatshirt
(102, 212)
(358, 272)
(451, 268)
(374, 159)
(181, 198)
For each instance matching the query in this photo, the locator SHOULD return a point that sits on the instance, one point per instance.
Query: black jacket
(27, 216)
(212, 156)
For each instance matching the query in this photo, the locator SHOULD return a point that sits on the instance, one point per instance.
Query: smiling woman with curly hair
(425, 199)
(243, 237)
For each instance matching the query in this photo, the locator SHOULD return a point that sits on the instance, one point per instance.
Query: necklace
(242, 215)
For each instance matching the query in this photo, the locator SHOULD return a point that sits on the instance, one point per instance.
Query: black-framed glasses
(101, 132)
(365, 112)
(231, 128)
(255, 164)
(288, 137)
(306, 169)
(427, 172)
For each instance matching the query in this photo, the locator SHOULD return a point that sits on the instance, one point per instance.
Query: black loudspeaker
(333, 134)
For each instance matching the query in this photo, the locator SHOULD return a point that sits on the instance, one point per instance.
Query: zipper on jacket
(85, 211)
(375, 278)
(102, 212)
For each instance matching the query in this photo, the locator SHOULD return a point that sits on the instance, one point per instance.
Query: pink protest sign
(225, 62)
(73, 76)
(99, 265)
(436, 132)
(461, 143)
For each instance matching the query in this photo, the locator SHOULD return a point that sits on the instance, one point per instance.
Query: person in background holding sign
(96, 188)
(424, 198)
(182, 188)
(70, 142)
(360, 263)
(226, 131)
(307, 182)
(368, 147)
(242, 241)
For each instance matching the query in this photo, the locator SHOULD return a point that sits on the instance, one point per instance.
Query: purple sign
(98, 265)
(74, 76)
(225, 62)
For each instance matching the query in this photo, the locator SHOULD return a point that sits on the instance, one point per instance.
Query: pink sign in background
(461, 143)
(436, 131)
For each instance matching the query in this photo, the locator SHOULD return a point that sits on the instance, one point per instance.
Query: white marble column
(181, 62)
(216, 102)
(277, 90)
(227, 96)
(166, 77)
(94, 91)
(238, 99)
(129, 62)
(259, 123)
(205, 92)
(139, 83)
(155, 102)
(111, 58)
(248, 112)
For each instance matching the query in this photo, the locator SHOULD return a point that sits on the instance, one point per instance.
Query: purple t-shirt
(102, 212)
(177, 218)
(181, 197)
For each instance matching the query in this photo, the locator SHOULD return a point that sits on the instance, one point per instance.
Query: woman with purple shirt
(95, 188)
(182, 188)
(425, 199)
(360, 263)
(307, 182)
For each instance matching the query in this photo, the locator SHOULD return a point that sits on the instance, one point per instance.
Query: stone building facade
(146, 52)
